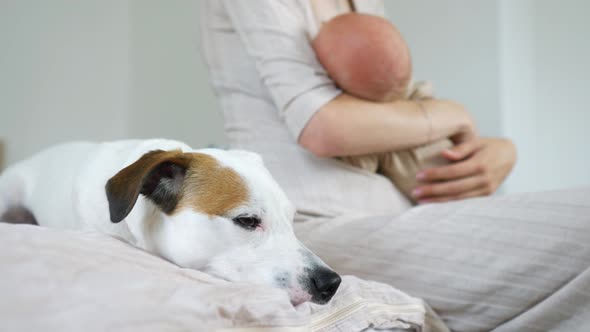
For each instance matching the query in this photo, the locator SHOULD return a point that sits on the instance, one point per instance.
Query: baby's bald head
(366, 56)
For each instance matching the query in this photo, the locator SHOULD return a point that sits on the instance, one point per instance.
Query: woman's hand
(478, 167)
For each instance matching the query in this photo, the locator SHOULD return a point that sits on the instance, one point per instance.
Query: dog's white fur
(64, 187)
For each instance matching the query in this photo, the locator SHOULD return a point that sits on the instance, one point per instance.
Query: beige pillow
(55, 280)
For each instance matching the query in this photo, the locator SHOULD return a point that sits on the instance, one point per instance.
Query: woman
(482, 270)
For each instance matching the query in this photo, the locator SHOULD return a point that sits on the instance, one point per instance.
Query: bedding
(55, 280)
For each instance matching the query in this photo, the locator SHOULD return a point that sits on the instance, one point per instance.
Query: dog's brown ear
(158, 175)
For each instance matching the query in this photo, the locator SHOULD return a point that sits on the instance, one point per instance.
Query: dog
(218, 211)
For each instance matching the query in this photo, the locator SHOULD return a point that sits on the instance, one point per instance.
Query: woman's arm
(351, 126)
(322, 118)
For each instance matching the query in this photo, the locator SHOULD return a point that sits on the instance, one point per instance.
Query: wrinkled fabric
(54, 280)
(518, 262)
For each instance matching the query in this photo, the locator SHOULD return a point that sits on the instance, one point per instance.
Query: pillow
(57, 280)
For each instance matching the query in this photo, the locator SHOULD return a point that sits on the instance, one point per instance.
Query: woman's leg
(512, 263)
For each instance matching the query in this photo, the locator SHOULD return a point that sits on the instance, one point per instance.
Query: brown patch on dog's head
(211, 188)
(174, 180)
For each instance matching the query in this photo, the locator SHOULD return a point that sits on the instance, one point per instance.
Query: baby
(368, 58)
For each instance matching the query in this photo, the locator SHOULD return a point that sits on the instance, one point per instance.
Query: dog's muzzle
(323, 284)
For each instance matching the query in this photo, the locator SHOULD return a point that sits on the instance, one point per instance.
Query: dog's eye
(247, 222)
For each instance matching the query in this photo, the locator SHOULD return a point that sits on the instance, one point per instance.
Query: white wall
(170, 94)
(562, 64)
(546, 71)
(102, 70)
(108, 69)
(63, 72)
(518, 96)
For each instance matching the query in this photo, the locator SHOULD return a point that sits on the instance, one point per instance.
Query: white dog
(212, 210)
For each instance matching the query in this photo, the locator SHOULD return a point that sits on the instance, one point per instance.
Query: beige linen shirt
(269, 84)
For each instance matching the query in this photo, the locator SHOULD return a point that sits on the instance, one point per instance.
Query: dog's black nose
(324, 284)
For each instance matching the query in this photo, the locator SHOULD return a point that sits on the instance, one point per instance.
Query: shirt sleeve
(274, 33)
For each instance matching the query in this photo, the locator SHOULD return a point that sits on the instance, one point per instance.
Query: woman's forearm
(351, 126)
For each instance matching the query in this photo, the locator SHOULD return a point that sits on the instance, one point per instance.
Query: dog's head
(220, 212)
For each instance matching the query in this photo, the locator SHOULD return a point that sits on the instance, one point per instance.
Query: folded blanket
(57, 280)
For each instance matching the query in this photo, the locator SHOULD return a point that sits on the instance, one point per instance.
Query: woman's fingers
(456, 170)
(479, 174)
(462, 150)
(450, 188)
